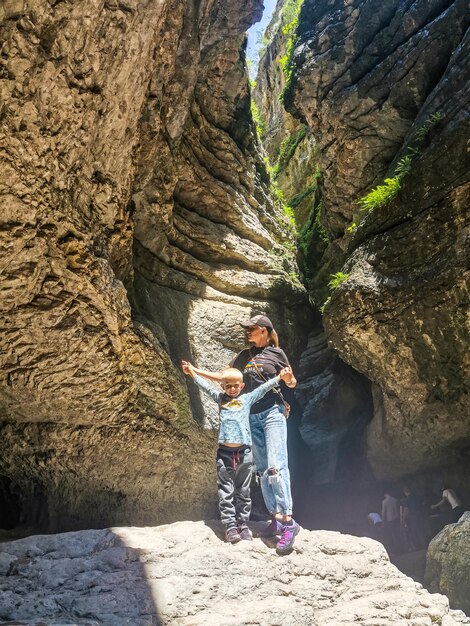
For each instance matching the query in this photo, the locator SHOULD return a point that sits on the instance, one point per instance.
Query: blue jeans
(269, 434)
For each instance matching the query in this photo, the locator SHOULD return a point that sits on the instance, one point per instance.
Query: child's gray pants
(234, 469)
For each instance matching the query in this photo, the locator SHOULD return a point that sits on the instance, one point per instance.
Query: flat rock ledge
(183, 574)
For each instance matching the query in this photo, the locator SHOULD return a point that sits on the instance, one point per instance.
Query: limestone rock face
(369, 79)
(363, 72)
(135, 230)
(448, 563)
(185, 574)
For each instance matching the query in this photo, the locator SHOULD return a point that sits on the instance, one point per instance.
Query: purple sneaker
(274, 528)
(288, 535)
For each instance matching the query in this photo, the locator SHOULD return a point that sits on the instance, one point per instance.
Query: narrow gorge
(153, 195)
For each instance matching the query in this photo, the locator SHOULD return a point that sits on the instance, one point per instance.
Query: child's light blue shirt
(234, 416)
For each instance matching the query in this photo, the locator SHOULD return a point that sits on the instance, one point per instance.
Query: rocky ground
(184, 574)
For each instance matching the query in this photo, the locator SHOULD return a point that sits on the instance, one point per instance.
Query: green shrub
(299, 197)
(337, 279)
(312, 234)
(432, 120)
(381, 195)
(305, 238)
(403, 166)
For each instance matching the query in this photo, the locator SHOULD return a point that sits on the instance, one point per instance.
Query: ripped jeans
(269, 434)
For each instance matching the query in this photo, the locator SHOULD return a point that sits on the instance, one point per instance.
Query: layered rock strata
(185, 574)
(402, 310)
(377, 82)
(135, 230)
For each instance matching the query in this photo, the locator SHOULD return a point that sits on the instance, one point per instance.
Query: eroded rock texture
(128, 166)
(369, 76)
(184, 574)
(448, 563)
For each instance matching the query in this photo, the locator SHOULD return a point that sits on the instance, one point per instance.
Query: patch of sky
(255, 37)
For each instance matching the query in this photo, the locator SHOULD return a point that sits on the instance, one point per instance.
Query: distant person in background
(411, 520)
(450, 497)
(376, 521)
(391, 519)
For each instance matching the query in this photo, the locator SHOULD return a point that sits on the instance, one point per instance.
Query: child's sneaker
(245, 533)
(288, 535)
(232, 535)
(274, 528)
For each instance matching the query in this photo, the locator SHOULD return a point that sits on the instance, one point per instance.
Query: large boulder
(448, 563)
(185, 574)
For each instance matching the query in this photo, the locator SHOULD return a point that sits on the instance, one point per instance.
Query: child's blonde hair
(231, 373)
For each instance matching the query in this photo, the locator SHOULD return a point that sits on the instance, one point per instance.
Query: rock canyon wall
(138, 226)
(136, 229)
(383, 89)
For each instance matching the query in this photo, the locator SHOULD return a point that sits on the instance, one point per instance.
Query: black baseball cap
(258, 320)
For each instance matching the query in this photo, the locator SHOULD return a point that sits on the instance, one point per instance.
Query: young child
(234, 457)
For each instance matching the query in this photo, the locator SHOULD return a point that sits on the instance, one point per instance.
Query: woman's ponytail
(273, 339)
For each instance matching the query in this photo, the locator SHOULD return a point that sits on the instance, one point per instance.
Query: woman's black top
(259, 365)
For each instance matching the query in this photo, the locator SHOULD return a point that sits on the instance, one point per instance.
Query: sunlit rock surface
(136, 229)
(185, 574)
(448, 563)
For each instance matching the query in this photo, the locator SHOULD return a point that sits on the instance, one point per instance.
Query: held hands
(287, 376)
(188, 368)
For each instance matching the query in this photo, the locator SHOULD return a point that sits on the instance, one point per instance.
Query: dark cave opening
(10, 504)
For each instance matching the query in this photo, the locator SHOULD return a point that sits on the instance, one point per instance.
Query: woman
(262, 361)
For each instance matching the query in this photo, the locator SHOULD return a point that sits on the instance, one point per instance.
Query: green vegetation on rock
(300, 197)
(337, 279)
(287, 149)
(432, 120)
(290, 21)
(313, 239)
(383, 194)
(258, 120)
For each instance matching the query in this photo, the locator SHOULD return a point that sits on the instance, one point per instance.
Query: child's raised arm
(189, 369)
(217, 377)
(262, 390)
